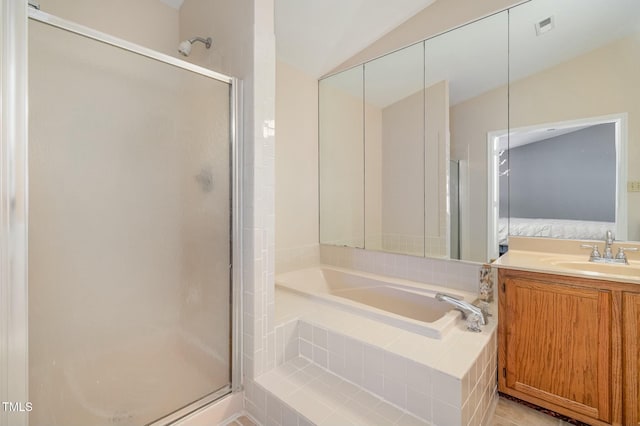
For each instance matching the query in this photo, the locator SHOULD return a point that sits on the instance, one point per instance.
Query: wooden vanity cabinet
(570, 345)
(631, 357)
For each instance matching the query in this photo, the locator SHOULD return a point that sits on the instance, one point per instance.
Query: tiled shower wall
(258, 211)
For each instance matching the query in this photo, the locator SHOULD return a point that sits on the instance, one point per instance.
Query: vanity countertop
(565, 257)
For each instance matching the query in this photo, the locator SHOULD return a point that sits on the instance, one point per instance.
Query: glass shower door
(129, 233)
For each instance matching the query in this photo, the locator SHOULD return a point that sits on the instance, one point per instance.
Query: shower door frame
(14, 359)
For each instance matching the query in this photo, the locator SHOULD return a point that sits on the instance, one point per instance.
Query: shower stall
(120, 229)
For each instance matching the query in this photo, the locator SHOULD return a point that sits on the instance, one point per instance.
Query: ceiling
(480, 62)
(318, 35)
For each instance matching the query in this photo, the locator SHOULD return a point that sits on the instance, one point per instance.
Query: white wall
(230, 25)
(149, 23)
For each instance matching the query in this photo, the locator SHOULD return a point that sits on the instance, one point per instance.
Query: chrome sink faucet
(607, 256)
(474, 315)
(595, 255)
(621, 256)
(608, 242)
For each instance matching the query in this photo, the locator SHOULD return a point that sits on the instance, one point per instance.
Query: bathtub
(401, 303)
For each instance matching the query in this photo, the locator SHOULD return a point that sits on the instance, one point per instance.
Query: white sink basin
(631, 270)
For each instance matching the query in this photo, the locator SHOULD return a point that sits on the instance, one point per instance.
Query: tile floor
(508, 413)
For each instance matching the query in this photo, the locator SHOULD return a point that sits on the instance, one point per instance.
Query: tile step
(300, 388)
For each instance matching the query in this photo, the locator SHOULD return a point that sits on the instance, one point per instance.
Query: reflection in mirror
(571, 61)
(454, 209)
(474, 60)
(394, 152)
(423, 105)
(562, 180)
(341, 165)
(437, 152)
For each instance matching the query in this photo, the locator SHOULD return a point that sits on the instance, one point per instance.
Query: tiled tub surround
(335, 366)
(414, 245)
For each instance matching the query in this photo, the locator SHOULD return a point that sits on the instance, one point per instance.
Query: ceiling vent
(545, 25)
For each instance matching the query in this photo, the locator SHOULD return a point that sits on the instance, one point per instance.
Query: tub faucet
(473, 314)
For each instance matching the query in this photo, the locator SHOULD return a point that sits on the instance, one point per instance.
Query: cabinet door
(558, 345)
(631, 358)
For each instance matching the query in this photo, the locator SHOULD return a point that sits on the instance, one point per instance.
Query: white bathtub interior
(407, 304)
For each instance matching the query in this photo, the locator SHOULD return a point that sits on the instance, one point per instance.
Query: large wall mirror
(574, 118)
(341, 153)
(394, 152)
(522, 123)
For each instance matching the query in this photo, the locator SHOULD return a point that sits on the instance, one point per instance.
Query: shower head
(185, 47)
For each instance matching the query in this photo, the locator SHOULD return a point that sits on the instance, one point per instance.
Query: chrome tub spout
(469, 311)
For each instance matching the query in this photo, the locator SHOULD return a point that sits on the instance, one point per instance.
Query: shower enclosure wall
(132, 194)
